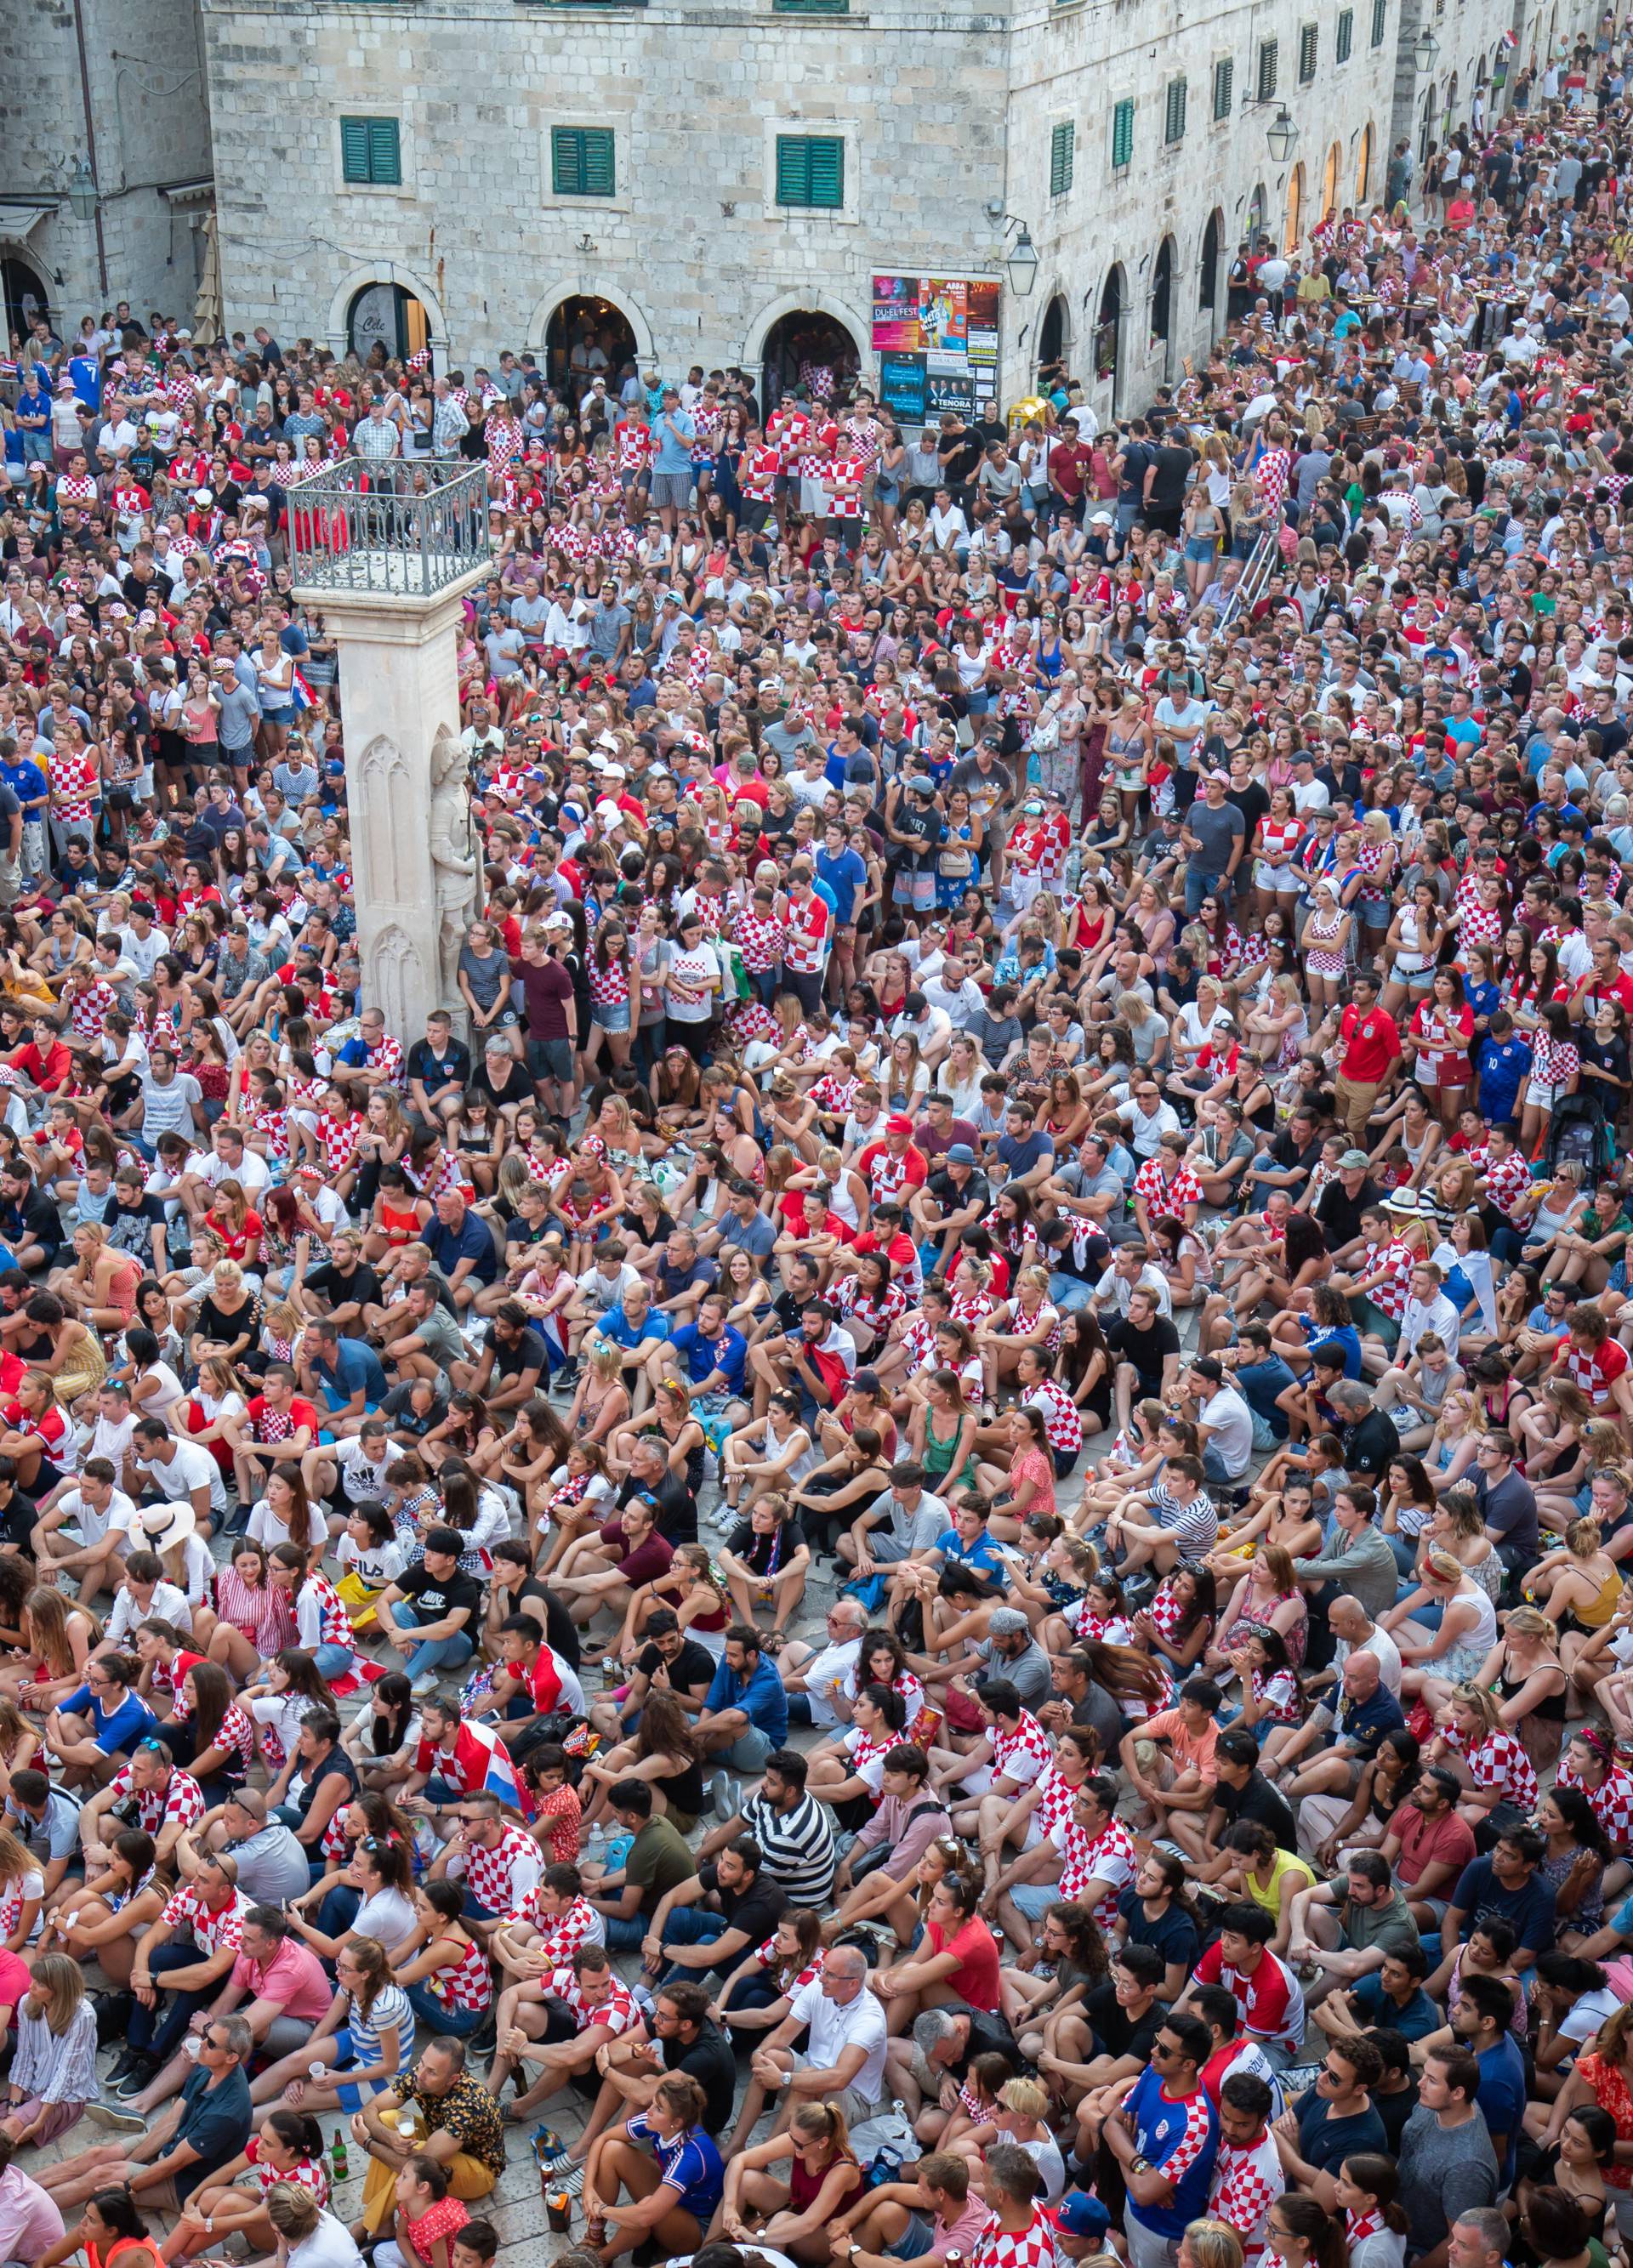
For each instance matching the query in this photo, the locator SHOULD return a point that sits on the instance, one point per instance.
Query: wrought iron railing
(406, 526)
(1262, 563)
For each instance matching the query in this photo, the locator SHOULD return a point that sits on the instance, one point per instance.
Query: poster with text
(944, 316)
(901, 384)
(895, 314)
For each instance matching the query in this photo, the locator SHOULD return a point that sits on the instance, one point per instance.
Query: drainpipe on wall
(85, 96)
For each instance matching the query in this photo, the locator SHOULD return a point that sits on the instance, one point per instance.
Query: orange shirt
(1190, 1751)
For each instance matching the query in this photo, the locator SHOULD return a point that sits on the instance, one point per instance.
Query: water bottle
(595, 1844)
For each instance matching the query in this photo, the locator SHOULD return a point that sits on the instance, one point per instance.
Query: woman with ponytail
(1375, 2226)
(670, 2168)
(824, 2180)
(1301, 2233)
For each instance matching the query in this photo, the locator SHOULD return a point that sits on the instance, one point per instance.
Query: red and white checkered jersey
(1247, 2181)
(178, 1803)
(1393, 1289)
(561, 1937)
(1499, 1761)
(468, 1985)
(1611, 1803)
(1507, 1180)
(1594, 1370)
(1062, 1419)
(1164, 1194)
(212, 1931)
(500, 1879)
(306, 2173)
(767, 1955)
(1109, 1857)
(618, 2012)
(1271, 1999)
(1021, 1754)
(1032, 2247)
(1055, 1799)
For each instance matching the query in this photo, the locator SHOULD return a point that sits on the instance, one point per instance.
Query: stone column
(416, 860)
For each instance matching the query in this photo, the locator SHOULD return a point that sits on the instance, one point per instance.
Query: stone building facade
(118, 86)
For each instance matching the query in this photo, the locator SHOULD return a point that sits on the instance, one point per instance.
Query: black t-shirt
(757, 1908)
(515, 1086)
(360, 1287)
(522, 1354)
(1173, 469)
(710, 2061)
(1370, 1448)
(1113, 2033)
(1259, 1801)
(38, 1217)
(436, 1071)
(19, 1518)
(399, 1413)
(545, 1607)
(1337, 1214)
(989, 2035)
(693, 1664)
(1147, 1350)
(435, 1597)
(1173, 1934)
(678, 1507)
(130, 1227)
(1394, 2110)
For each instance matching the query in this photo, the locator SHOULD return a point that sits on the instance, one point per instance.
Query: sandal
(773, 1642)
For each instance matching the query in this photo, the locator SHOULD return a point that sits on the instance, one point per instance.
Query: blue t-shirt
(689, 2164)
(672, 456)
(116, 1730)
(472, 1242)
(1349, 1338)
(356, 1364)
(844, 876)
(729, 1354)
(86, 373)
(983, 1553)
(762, 1698)
(1259, 1383)
(1502, 2096)
(1499, 1066)
(616, 1326)
(1529, 1910)
(1162, 2128)
(1415, 2021)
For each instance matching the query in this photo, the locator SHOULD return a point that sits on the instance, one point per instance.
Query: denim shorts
(613, 1017)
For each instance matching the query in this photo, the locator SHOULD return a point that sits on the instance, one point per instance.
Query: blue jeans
(623, 1936)
(694, 1925)
(1070, 1294)
(159, 2031)
(339, 1910)
(451, 2023)
(437, 1653)
(332, 1662)
(1199, 884)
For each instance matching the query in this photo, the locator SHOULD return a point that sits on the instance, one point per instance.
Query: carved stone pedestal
(417, 864)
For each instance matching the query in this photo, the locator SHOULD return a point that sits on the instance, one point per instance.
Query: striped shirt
(797, 1846)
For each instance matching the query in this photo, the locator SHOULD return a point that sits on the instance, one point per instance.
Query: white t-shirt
(698, 967)
(387, 1916)
(825, 1675)
(93, 1526)
(189, 1467)
(330, 2246)
(166, 1605)
(263, 1528)
(1230, 1422)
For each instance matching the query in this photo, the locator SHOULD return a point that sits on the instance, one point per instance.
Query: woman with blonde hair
(1208, 2244)
(58, 1636)
(1434, 1659)
(1524, 1671)
(52, 2074)
(19, 1744)
(100, 1287)
(824, 2180)
(22, 1892)
(1578, 1588)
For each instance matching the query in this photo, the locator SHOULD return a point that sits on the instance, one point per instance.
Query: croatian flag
(480, 1746)
(1507, 41)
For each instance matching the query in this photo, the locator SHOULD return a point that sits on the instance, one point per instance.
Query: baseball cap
(960, 1153)
(1078, 2215)
(899, 1123)
(1354, 1161)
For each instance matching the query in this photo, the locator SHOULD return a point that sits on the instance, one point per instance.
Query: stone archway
(347, 292)
(772, 326)
(552, 302)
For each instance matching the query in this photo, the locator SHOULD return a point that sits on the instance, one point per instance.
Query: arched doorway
(1293, 218)
(1162, 302)
(1451, 115)
(1208, 265)
(1054, 333)
(26, 297)
(1258, 214)
(586, 337)
(1329, 181)
(1426, 123)
(1363, 165)
(384, 319)
(1108, 335)
(809, 350)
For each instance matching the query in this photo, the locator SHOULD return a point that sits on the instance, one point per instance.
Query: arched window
(1293, 221)
(1162, 293)
(1363, 165)
(1108, 332)
(1329, 182)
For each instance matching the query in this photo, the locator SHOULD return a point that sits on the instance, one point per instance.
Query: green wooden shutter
(566, 160)
(1269, 57)
(1380, 10)
(1122, 132)
(1224, 79)
(1062, 153)
(598, 161)
(827, 172)
(1309, 43)
(1173, 122)
(1343, 46)
(354, 149)
(794, 170)
(385, 152)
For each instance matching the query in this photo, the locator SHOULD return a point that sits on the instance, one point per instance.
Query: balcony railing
(406, 527)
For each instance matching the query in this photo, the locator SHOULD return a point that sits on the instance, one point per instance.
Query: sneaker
(124, 2121)
(424, 1683)
(720, 1791)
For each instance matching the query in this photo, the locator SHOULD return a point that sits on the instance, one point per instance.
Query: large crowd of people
(653, 1553)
